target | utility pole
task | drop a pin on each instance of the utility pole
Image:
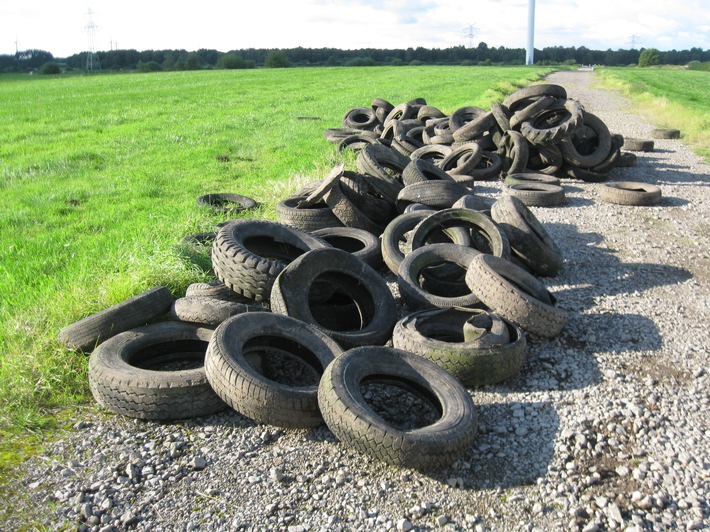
(530, 52)
(470, 31)
(92, 60)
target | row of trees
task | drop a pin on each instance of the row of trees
(253, 57)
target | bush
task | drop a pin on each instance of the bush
(149, 66)
(276, 59)
(233, 61)
(50, 68)
(360, 61)
(649, 57)
(697, 65)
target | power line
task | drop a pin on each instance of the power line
(470, 32)
(92, 60)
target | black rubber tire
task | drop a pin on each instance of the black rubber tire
(436, 334)
(326, 184)
(474, 203)
(531, 177)
(351, 276)
(246, 389)
(537, 194)
(403, 111)
(363, 244)
(475, 128)
(230, 203)
(208, 310)
(435, 194)
(502, 115)
(311, 218)
(355, 143)
(601, 145)
(462, 159)
(514, 153)
(630, 193)
(215, 289)
(356, 424)
(427, 112)
(86, 333)
(363, 118)
(128, 373)
(489, 167)
(634, 144)
(248, 254)
(515, 295)
(421, 170)
(583, 174)
(517, 99)
(529, 240)
(434, 153)
(464, 115)
(385, 165)
(481, 225)
(552, 125)
(358, 190)
(544, 159)
(395, 232)
(665, 133)
(347, 212)
(412, 268)
(530, 111)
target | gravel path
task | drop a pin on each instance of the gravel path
(606, 427)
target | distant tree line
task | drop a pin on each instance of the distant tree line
(149, 60)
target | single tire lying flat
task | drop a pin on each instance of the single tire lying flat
(155, 372)
(665, 133)
(630, 193)
(355, 423)
(138, 310)
(437, 335)
(208, 310)
(247, 390)
(226, 202)
(634, 144)
(536, 194)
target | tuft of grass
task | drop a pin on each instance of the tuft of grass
(668, 98)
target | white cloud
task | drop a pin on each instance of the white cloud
(58, 27)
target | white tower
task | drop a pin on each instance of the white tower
(92, 60)
(529, 59)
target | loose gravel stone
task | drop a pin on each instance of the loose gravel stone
(605, 427)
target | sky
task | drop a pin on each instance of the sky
(60, 27)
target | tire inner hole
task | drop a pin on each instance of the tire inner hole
(340, 303)
(400, 403)
(270, 248)
(283, 361)
(175, 355)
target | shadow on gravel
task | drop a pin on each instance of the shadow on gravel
(514, 447)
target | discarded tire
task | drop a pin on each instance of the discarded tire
(665, 133)
(248, 254)
(282, 393)
(226, 202)
(355, 423)
(634, 144)
(515, 295)
(528, 239)
(362, 244)
(87, 333)
(208, 310)
(437, 335)
(630, 193)
(536, 194)
(349, 283)
(155, 372)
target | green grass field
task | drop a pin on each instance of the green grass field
(99, 176)
(669, 98)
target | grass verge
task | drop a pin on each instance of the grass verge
(668, 98)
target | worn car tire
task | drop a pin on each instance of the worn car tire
(85, 334)
(515, 295)
(248, 254)
(630, 193)
(536, 194)
(247, 390)
(355, 423)
(208, 310)
(436, 334)
(131, 374)
(353, 279)
(226, 202)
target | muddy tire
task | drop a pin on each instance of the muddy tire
(630, 193)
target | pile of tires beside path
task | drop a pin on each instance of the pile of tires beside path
(301, 326)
